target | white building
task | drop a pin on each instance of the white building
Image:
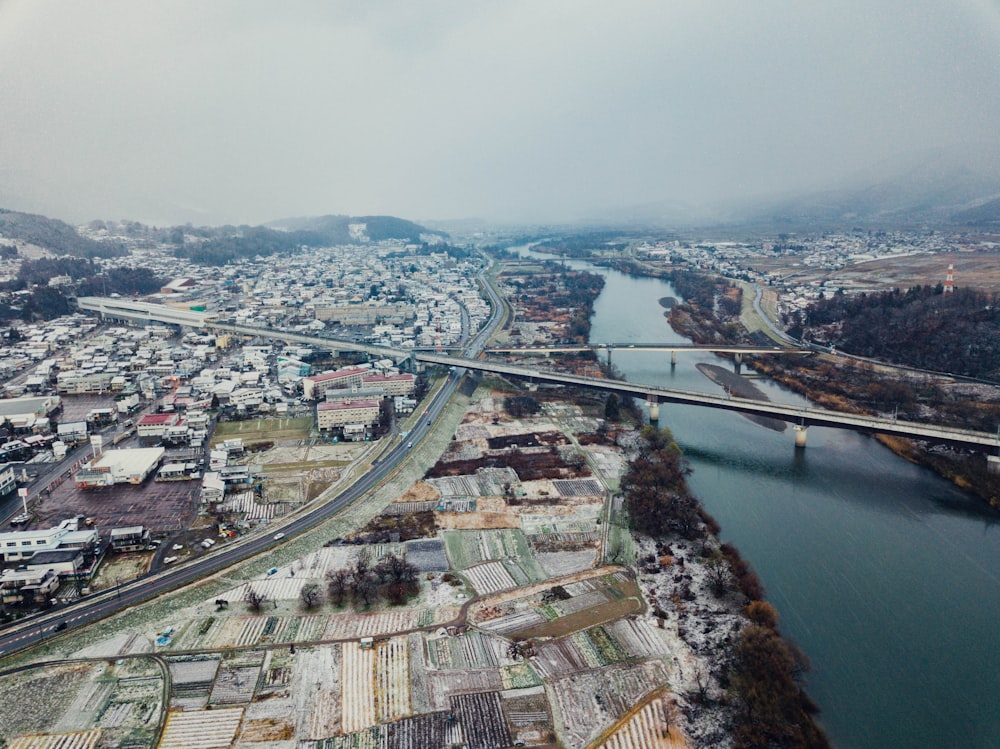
(130, 466)
(18, 545)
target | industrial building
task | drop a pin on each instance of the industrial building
(130, 466)
(19, 545)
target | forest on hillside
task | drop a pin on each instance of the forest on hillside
(921, 327)
(54, 235)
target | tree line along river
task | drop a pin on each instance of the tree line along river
(887, 576)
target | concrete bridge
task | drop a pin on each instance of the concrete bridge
(801, 417)
(737, 351)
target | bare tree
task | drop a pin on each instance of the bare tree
(339, 585)
(254, 599)
(310, 595)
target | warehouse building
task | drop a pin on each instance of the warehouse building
(119, 467)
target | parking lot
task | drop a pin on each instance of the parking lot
(160, 507)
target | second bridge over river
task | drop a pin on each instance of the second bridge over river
(801, 417)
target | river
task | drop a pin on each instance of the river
(887, 576)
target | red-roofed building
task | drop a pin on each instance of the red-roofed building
(315, 387)
(152, 427)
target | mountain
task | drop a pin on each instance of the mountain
(53, 234)
(347, 229)
(932, 187)
(984, 215)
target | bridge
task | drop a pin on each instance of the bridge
(801, 417)
(737, 351)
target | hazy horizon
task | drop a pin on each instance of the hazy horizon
(515, 112)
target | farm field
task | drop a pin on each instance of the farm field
(517, 634)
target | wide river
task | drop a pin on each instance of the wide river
(887, 576)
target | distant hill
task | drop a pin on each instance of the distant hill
(337, 229)
(986, 215)
(919, 195)
(54, 235)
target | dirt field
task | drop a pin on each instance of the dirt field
(978, 270)
(263, 430)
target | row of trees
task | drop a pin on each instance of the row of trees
(655, 487)
(392, 579)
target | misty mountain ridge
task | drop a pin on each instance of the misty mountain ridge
(938, 186)
(935, 186)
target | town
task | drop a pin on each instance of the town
(136, 449)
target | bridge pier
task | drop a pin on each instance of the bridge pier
(737, 362)
(654, 408)
(992, 464)
(673, 358)
(800, 435)
(609, 357)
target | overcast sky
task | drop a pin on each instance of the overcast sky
(513, 110)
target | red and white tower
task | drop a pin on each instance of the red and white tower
(949, 279)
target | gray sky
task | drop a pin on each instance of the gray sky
(513, 110)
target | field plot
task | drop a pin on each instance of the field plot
(250, 507)
(277, 587)
(528, 714)
(519, 676)
(588, 702)
(191, 682)
(490, 577)
(43, 697)
(234, 685)
(639, 639)
(427, 555)
(648, 728)
(344, 626)
(263, 430)
(392, 679)
(326, 559)
(201, 729)
(196, 631)
(578, 487)
(485, 482)
(357, 669)
(443, 685)
(74, 740)
(419, 732)
(482, 720)
(468, 548)
(471, 650)
(316, 691)
(559, 563)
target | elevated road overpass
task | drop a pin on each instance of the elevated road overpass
(801, 417)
